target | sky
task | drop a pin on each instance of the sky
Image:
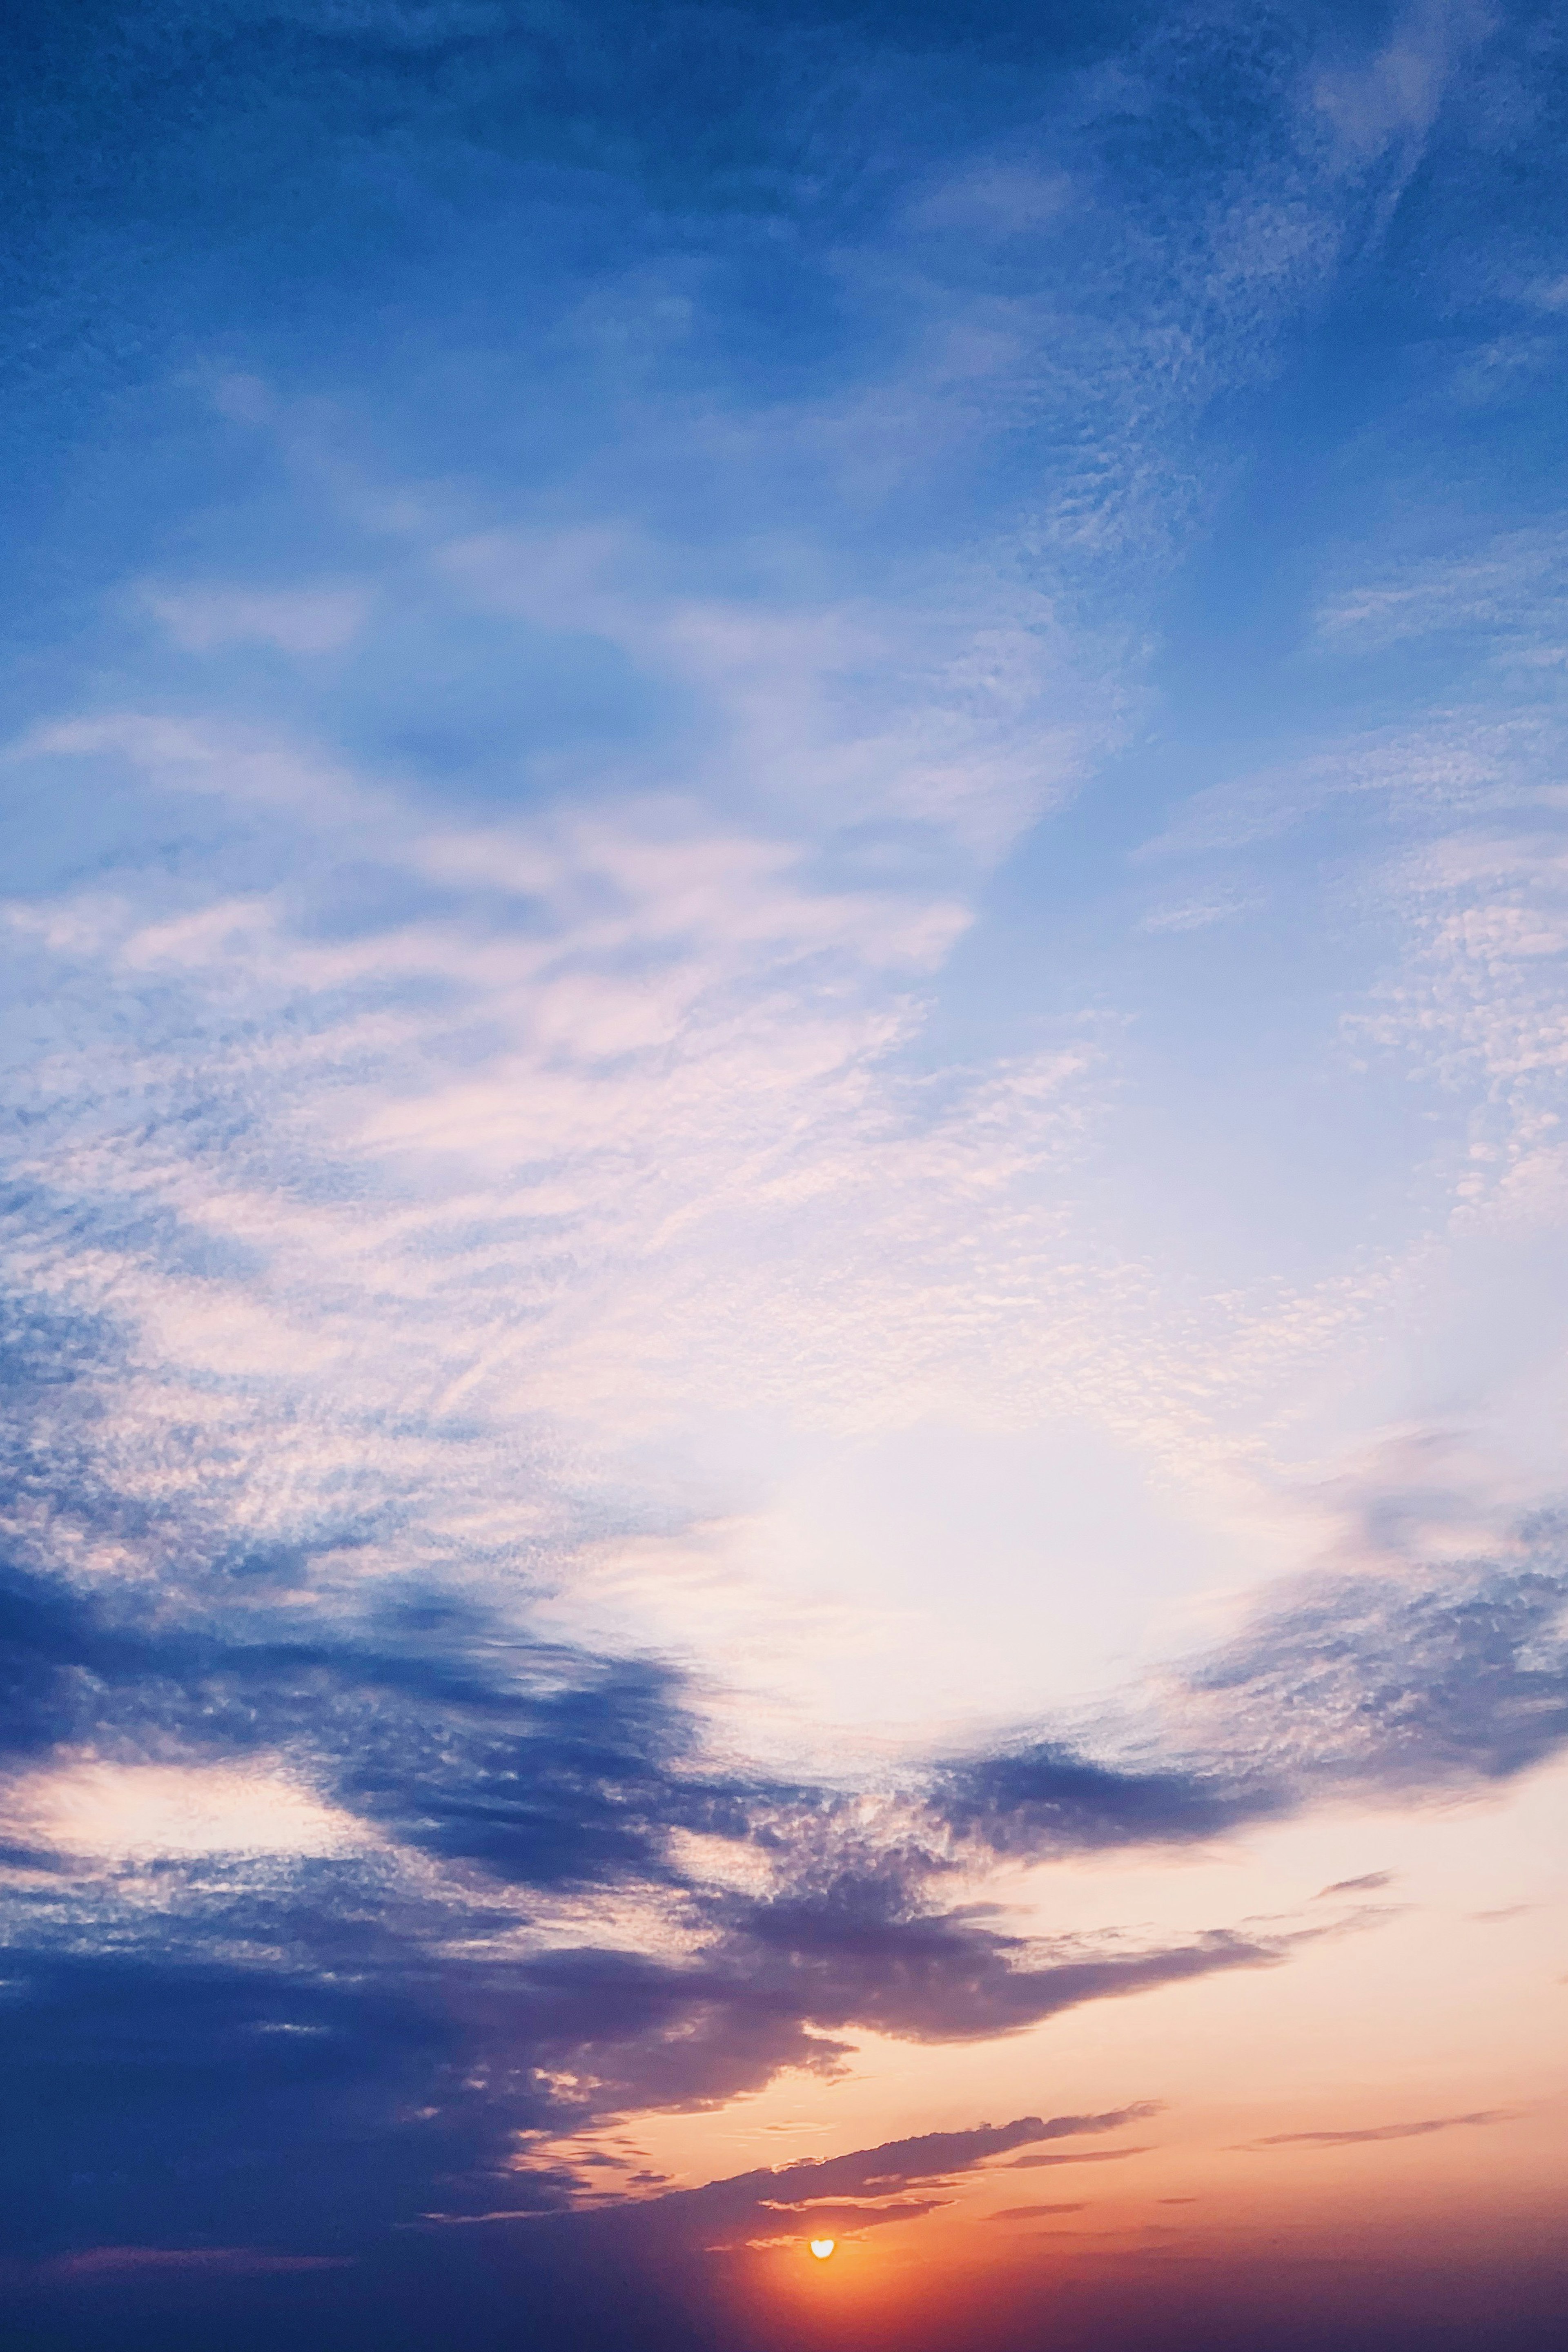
(786, 962)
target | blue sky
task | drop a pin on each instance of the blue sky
(784, 930)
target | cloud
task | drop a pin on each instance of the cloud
(1031, 2212)
(585, 1971)
(994, 199)
(111, 1812)
(1379, 1685)
(840, 2220)
(1391, 99)
(870, 1950)
(295, 620)
(1372, 1882)
(1478, 1007)
(1047, 1798)
(835, 2195)
(1390, 1684)
(392, 1175)
(554, 1774)
(1199, 914)
(472, 1877)
(635, 1046)
(936, 2155)
(233, 2262)
(547, 1766)
(1512, 587)
(1377, 2131)
(1431, 771)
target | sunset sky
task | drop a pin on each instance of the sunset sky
(786, 1250)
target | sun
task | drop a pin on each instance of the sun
(822, 2248)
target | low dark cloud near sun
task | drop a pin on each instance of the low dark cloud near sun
(833, 2196)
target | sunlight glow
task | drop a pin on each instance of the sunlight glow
(822, 2248)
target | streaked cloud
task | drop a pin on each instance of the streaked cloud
(1377, 2132)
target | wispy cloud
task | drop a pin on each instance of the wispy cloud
(841, 2194)
(1377, 2132)
(1372, 1882)
(294, 620)
(1032, 2212)
(1390, 99)
(1508, 595)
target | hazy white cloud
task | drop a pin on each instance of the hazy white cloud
(1480, 1005)
(1515, 586)
(1198, 914)
(295, 620)
(1392, 99)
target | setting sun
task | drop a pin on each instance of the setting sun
(822, 2248)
